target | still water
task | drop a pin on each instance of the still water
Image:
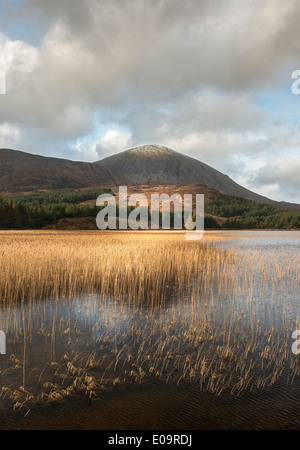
(216, 357)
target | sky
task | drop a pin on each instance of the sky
(212, 79)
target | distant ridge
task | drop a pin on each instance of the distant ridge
(21, 172)
(161, 164)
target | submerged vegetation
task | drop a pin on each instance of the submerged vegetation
(90, 311)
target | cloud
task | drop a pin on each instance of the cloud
(283, 176)
(113, 141)
(168, 45)
(204, 125)
(10, 136)
(185, 74)
(115, 54)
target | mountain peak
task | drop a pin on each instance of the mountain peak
(148, 150)
(157, 163)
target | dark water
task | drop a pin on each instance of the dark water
(262, 300)
(166, 407)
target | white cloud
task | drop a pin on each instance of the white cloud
(280, 177)
(113, 141)
(10, 136)
(204, 125)
(18, 61)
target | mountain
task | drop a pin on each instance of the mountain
(161, 164)
(151, 164)
(23, 172)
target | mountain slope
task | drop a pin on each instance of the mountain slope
(24, 172)
(21, 171)
(158, 163)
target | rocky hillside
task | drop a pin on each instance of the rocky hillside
(23, 172)
(158, 163)
(151, 164)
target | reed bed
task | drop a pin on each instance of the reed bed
(42, 265)
(90, 311)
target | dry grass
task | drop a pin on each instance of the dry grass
(87, 311)
(35, 265)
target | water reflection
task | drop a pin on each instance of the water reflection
(226, 335)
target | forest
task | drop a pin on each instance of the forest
(222, 212)
(244, 214)
(42, 209)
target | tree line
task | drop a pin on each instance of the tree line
(247, 214)
(42, 209)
